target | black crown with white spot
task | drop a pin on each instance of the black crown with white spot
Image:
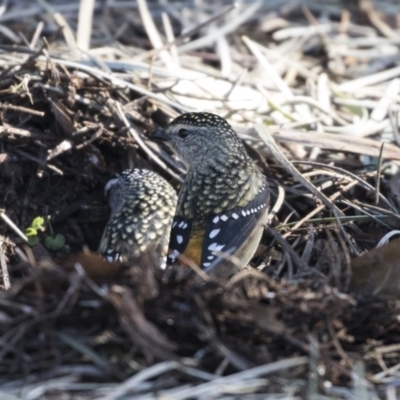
(202, 119)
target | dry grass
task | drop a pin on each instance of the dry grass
(314, 93)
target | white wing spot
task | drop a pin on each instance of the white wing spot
(216, 247)
(181, 224)
(206, 264)
(224, 218)
(215, 220)
(214, 233)
(174, 224)
(173, 255)
(179, 238)
(210, 257)
(244, 213)
(185, 225)
(235, 216)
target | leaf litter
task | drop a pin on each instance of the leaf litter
(313, 91)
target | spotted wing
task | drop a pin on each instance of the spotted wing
(227, 231)
(122, 234)
(180, 235)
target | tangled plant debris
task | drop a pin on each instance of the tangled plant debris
(313, 92)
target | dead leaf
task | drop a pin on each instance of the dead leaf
(95, 266)
(378, 270)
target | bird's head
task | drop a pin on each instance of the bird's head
(200, 137)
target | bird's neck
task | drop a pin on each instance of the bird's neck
(222, 161)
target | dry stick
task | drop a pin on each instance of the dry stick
(319, 208)
(203, 389)
(153, 372)
(380, 111)
(229, 27)
(346, 253)
(347, 237)
(120, 83)
(352, 86)
(339, 142)
(271, 144)
(15, 131)
(85, 20)
(194, 267)
(302, 110)
(378, 175)
(191, 32)
(306, 255)
(314, 103)
(68, 34)
(288, 249)
(304, 71)
(22, 110)
(280, 199)
(250, 273)
(153, 34)
(36, 35)
(357, 207)
(14, 227)
(4, 269)
(366, 185)
(377, 21)
(393, 123)
(118, 109)
(169, 33)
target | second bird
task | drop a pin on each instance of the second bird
(142, 207)
(223, 203)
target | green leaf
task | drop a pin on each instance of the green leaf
(54, 242)
(37, 223)
(30, 232)
(33, 240)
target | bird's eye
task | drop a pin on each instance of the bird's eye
(183, 133)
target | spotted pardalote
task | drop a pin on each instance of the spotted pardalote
(223, 203)
(142, 208)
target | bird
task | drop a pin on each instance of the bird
(142, 209)
(223, 202)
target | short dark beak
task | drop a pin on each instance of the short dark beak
(159, 134)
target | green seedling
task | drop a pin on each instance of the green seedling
(32, 231)
(52, 242)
